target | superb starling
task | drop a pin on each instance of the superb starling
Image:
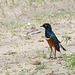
(52, 39)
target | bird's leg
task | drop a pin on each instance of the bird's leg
(55, 55)
(50, 55)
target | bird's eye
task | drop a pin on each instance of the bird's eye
(45, 25)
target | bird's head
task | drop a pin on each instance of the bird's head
(47, 26)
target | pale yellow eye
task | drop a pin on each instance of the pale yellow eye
(45, 25)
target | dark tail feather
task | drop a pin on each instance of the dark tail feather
(62, 47)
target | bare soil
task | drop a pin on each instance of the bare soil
(22, 41)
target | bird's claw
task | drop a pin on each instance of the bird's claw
(49, 57)
(54, 58)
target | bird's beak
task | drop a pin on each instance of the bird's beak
(41, 26)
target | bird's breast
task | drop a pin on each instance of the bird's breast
(50, 42)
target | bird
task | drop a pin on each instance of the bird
(52, 40)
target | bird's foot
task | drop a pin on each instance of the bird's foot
(49, 57)
(54, 57)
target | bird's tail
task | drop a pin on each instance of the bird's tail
(62, 47)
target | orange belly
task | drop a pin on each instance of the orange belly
(50, 43)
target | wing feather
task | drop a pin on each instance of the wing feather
(55, 41)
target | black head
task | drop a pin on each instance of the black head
(47, 26)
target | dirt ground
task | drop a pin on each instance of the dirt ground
(22, 41)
